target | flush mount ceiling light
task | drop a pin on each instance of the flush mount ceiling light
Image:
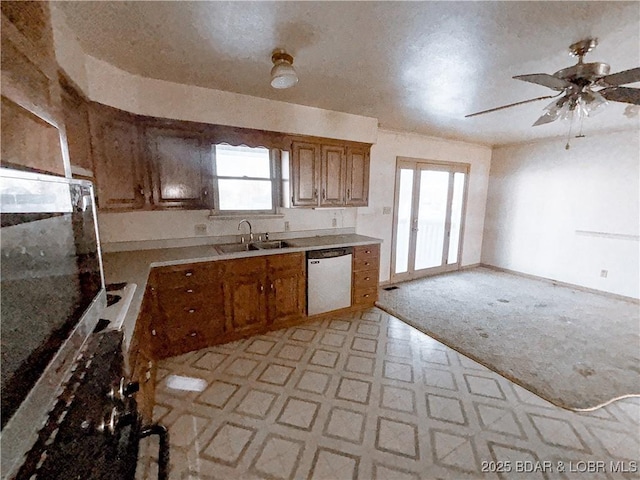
(282, 74)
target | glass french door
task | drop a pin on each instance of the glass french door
(428, 218)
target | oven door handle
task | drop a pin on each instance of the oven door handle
(163, 450)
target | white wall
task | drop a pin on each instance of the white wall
(371, 220)
(117, 228)
(543, 197)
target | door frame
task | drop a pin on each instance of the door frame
(416, 164)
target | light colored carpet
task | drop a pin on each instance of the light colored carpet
(576, 349)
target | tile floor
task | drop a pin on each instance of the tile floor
(368, 397)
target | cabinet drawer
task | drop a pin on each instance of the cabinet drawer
(363, 296)
(365, 278)
(287, 261)
(197, 325)
(360, 264)
(364, 252)
(186, 275)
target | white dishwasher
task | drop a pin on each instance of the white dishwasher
(328, 279)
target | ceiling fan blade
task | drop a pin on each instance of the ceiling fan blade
(621, 94)
(545, 80)
(622, 78)
(510, 105)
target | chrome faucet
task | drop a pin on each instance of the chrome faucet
(244, 220)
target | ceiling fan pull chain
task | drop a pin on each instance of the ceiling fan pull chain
(568, 146)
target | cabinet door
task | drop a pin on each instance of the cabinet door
(357, 194)
(119, 168)
(244, 294)
(31, 115)
(304, 174)
(332, 176)
(179, 171)
(287, 287)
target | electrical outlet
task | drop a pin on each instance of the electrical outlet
(286, 226)
(604, 273)
(386, 210)
(201, 229)
(334, 222)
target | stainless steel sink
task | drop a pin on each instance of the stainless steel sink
(271, 244)
(247, 247)
(235, 247)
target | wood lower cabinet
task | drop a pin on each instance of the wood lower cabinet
(287, 294)
(190, 307)
(203, 304)
(366, 271)
(244, 294)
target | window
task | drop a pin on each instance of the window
(244, 179)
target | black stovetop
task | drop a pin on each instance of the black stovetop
(77, 442)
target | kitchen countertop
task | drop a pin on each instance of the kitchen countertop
(134, 266)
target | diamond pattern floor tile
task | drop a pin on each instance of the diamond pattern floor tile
(365, 396)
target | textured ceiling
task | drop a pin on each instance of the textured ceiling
(416, 66)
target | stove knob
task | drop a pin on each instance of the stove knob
(108, 425)
(123, 390)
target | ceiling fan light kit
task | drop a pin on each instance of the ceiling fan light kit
(283, 75)
(577, 85)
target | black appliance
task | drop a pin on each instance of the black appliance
(93, 430)
(52, 295)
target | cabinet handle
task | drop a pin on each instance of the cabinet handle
(324, 194)
(189, 290)
(366, 295)
(315, 193)
(367, 263)
(193, 334)
(153, 332)
(188, 274)
(348, 194)
(367, 251)
(205, 192)
(192, 310)
(272, 286)
(367, 278)
(262, 288)
(141, 190)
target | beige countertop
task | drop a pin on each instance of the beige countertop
(134, 266)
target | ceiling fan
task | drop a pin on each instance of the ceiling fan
(583, 87)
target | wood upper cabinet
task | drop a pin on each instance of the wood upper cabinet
(181, 169)
(35, 138)
(286, 275)
(76, 118)
(357, 177)
(305, 172)
(244, 294)
(332, 175)
(329, 174)
(119, 166)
